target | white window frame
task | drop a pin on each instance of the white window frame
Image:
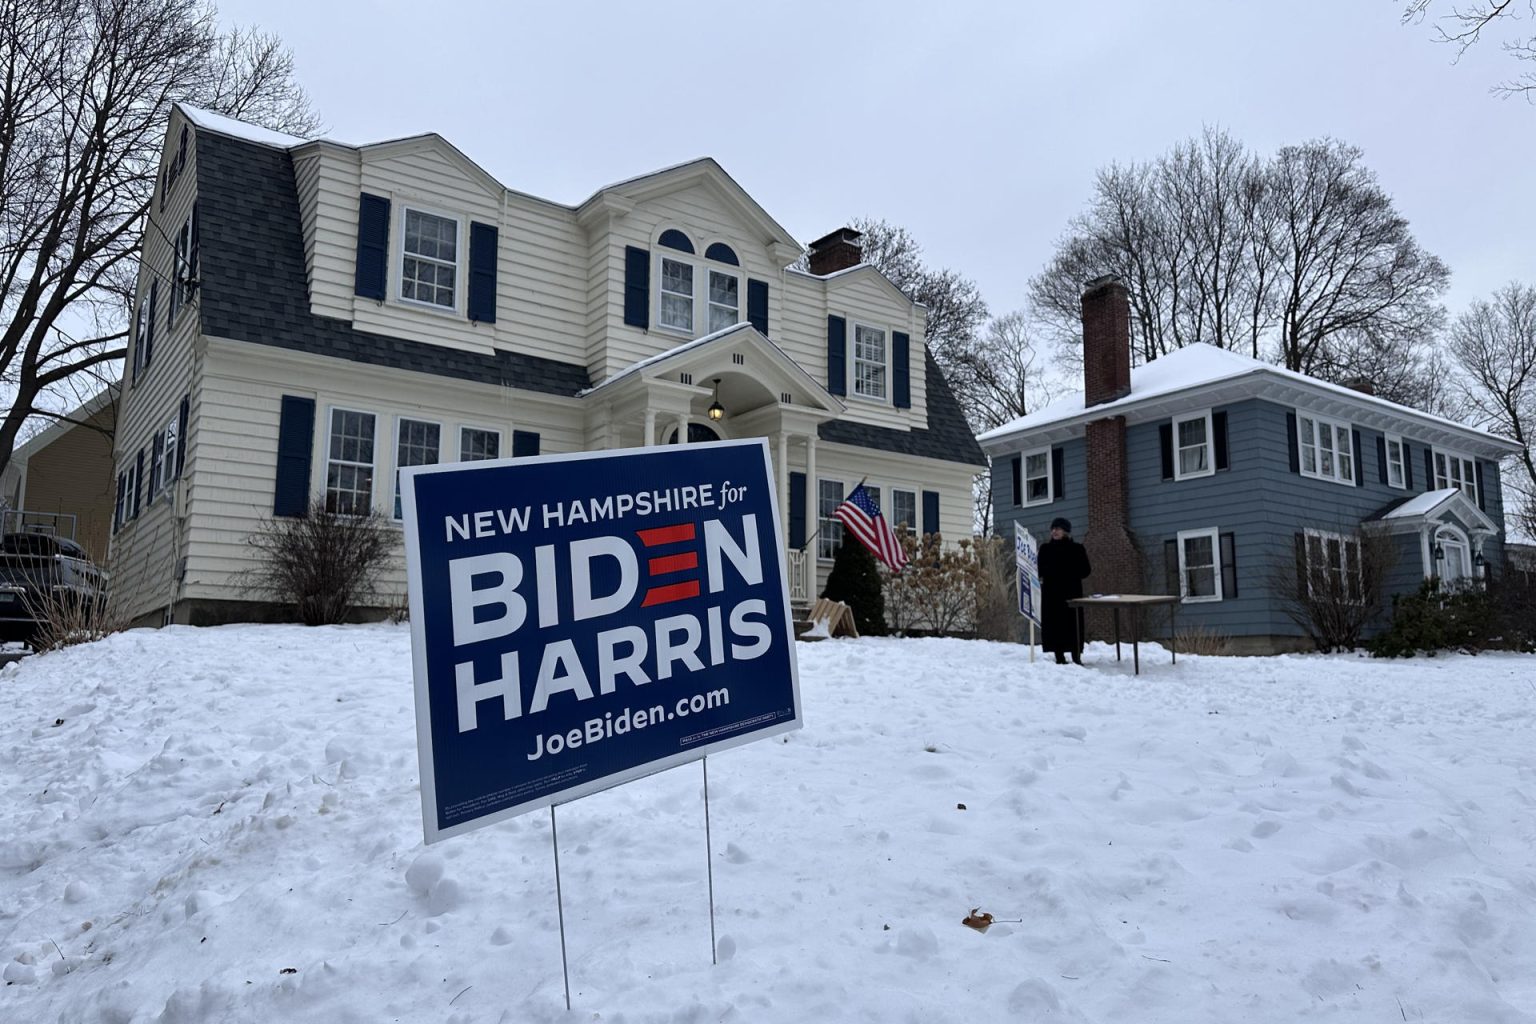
(130, 491)
(1209, 445)
(372, 467)
(1445, 460)
(710, 305)
(1340, 568)
(896, 523)
(1024, 478)
(141, 328)
(663, 257)
(493, 431)
(1214, 533)
(1448, 536)
(1338, 457)
(397, 509)
(460, 252)
(1400, 464)
(181, 269)
(829, 535)
(884, 363)
(156, 466)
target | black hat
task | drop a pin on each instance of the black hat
(1062, 523)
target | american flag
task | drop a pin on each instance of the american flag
(862, 517)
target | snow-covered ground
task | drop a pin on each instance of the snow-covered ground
(223, 825)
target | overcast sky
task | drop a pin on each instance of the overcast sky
(978, 127)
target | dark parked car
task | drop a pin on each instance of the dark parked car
(38, 573)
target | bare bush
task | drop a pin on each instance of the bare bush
(67, 616)
(323, 563)
(1333, 584)
(1203, 640)
(997, 604)
(937, 591)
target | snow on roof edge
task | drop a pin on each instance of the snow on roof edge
(235, 128)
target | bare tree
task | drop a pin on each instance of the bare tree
(1494, 345)
(86, 88)
(1463, 27)
(1301, 258)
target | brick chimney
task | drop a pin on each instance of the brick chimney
(1117, 563)
(1106, 341)
(837, 251)
(1364, 385)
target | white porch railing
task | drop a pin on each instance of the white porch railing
(799, 577)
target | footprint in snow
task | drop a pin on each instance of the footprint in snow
(1265, 829)
(1073, 732)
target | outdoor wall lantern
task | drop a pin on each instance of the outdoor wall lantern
(716, 410)
(1439, 552)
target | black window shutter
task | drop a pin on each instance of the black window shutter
(1407, 466)
(1171, 567)
(797, 510)
(1228, 565)
(1359, 462)
(483, 239)
(117, 505)
(757, 305)
(524, 443)
(637, 287)
(1058, 473)
(1381, 457)
(1301, 565)
(138, 482)
(194, 256)
(1018, 480)
(295, 446)
(372, 246)
(1291, 443)
(148, 340)
(930, 511)
(1482, 501)
(1219, 438)
(182, 416)
(1165, 442)
(901, 372)
(837, 355)
(1429, 468)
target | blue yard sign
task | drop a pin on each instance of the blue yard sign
(578, 621)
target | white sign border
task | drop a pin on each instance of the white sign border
(424, 753)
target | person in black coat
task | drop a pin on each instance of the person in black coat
(1063, 567)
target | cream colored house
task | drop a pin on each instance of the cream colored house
(313, 315)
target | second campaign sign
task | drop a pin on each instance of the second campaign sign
(581, 620)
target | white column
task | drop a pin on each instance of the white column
(682, 428)
(650, 428)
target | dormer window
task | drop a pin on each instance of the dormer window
(684, 281)
(869, 360)
(429, 261)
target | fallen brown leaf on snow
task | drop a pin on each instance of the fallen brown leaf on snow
(975, 919)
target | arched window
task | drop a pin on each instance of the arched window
(722, 253)
(675, 239)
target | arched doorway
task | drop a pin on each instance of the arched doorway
(698, 433)
(1453, 555)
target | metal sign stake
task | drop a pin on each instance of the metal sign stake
(709, 863)
(565, 969)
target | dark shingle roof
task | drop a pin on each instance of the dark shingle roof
(948, 436)
(253, 285)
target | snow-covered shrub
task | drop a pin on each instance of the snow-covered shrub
(323, 563)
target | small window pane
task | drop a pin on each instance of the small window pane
(429, 264)
(904, 509)
(477, 445)
(829, 495)
(676, 295)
